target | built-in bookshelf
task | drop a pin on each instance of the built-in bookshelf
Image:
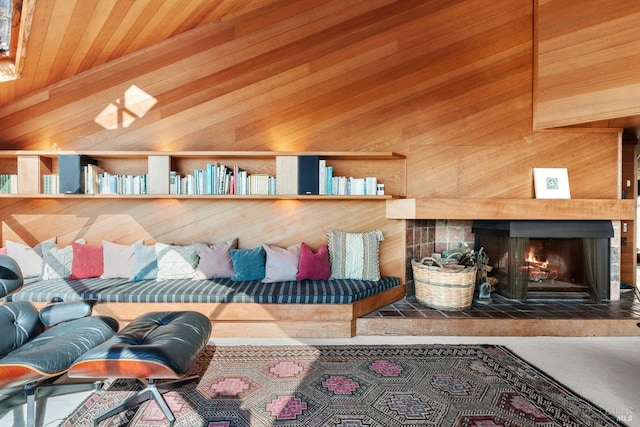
(255, 174)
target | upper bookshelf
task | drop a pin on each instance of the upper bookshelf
(203, 174)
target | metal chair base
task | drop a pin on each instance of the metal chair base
(151, 390)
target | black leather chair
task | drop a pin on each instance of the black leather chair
(38, 347)
(155, 345)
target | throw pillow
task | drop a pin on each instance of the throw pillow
(248, 264)
(145, 263)
(87, 261)
(355, 255)
(215, 260)
(314, 266)
(3, 251)
(117, 260)
(281, 263)
(56, 261)
(176, 262)
(29, 259)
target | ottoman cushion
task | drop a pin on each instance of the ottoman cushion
(154, 345)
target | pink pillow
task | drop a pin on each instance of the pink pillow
(87, 261)
(281, 263)
(3, 251)
(314, 266)
(215, 259)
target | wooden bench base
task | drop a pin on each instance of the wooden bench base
(253, 320)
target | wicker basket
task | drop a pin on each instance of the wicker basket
(441, 287)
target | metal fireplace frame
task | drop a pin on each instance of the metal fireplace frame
(512, 240)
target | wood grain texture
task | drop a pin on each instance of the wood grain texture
(232, 320)
(183, 221)
(495, 208)
(504, 170)
(370, 326)
(449, 84)
(587, 61)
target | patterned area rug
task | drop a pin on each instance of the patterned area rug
(356, 386)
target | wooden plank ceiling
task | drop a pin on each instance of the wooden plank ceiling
(68, 37)
(416, 71)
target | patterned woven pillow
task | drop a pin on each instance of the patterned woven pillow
(355, 255)
(176, 262)
(56, 261)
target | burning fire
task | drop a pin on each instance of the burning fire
(538, 270)
(532, 261)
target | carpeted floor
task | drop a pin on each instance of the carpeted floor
(354, 386)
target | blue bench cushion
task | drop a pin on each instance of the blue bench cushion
(332, 291)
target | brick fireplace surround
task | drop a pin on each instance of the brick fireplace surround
(428, 236)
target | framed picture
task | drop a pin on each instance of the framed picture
(551, 183)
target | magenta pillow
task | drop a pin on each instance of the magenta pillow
(313, 265)
(87, 261)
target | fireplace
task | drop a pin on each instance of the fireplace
(548, 259)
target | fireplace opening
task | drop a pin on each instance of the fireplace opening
(548, 259)
(555, 268)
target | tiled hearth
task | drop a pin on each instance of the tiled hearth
(628, 307)
(503, 317)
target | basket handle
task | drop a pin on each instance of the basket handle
(431, 259)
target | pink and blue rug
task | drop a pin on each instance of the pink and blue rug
(356, 386)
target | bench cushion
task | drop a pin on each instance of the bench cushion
(332, 291)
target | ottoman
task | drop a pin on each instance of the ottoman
(155, 345)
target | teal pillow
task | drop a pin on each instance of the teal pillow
(248, 264)
(145, 263)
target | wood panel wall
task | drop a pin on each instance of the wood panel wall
(588, 61)
(181, 222)
(448, 83)
(487, 169)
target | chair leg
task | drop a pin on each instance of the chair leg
(31, 406)
(152, 390)
(32, 392)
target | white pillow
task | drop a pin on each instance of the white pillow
(176, 262)
(117, 260)
(29, 259)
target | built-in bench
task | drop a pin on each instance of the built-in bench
(306, 308)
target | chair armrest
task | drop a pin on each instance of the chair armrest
(59, 312)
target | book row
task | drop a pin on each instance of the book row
(218, 179)
(312, 175)
(8, 183)
(297, 174)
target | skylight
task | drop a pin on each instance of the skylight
(6, 8)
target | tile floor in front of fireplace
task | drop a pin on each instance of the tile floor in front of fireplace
(628, 307)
